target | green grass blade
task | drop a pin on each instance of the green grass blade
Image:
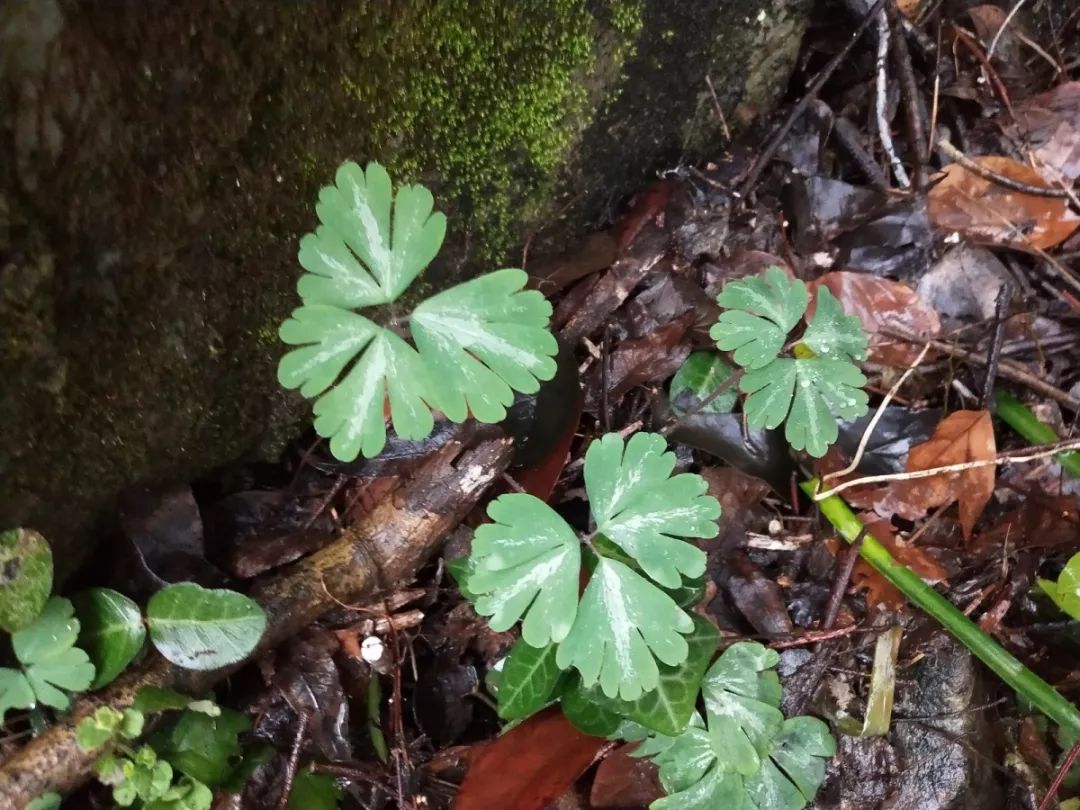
(1003, 663)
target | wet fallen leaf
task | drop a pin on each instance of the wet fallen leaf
(993, 24)
(965, 202)
(1050, 123)
(964, 283)
(961, 437)
(656, 356)
(1040, 521)
(647, 207)
(596, 252)
(529, 766)
(625, 781)
(882, 305)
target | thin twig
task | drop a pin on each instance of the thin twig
(1059, 777)
(1004, 24)
(913, 102)
(294, 758)
(1013, 457)
(703, 404)
(766, 155)
(995, 177)
(719, 109)
(877, 418)
(993, 356)
(849, 137)
(840, 582)
(881, 101)
(969, 42)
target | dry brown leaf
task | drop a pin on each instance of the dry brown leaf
(883, 305)
(961, 437)
(529, 766)
(965, 202)
(625, 781)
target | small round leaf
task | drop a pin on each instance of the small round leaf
(26, 576)
(202, 629)
(112, 631)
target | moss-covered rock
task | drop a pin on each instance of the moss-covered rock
(159, 164)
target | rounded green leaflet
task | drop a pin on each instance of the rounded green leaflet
(112, 631)
(52, 665)
(203, 629)
(699, 375)
(760, 311)
(15, 691)
(644, 510)
(26, 577)
(526, 564)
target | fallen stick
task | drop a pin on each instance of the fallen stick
(384, 549)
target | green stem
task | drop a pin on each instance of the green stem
(1003, 663)
(1022, 419)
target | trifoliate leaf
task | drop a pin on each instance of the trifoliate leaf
(759, 314)
(351, 414)
(624, 625)
(642, 508)
(693, 774)
(26, 576)
(483, 340)
(795, 769)
(314, 791)
(198, 628)
(526, 563)
(52, 665)
(531, 676)
(388, 249)
(111, 632)
(699, 375)
(832, 333)
(15, 691)
(478, 342)
(742, 693)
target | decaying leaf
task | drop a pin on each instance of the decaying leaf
(1050, 123)
(882, 305)
(965, 202)
(879, 592)
(529, 766)
(962, 436)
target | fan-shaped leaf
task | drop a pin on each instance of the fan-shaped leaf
(759, 314)
(26, 576)
(624, 624)
(483, 340)
(202, 629)
(526, 564)
(15, 691)
(643, 510)
(51, 664)
(358, 239)
(112, 631)
(832, 333)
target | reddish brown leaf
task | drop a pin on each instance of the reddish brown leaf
(965, 202)
(649, 206)
(882, 306)
(878, 589)
(656, 356)
(961, 437)
(549, 275)
(529, 766)
(625, 781)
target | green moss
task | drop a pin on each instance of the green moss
(490, 99)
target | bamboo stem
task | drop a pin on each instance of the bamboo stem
(1022, 419)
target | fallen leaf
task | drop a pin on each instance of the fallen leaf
(656, 356)
(882, 305)
(529, 766)
(965, 202)
(648, 207)
(625, 781)
(596, 252)
(993, 24)
(961, 437)
(1050, 123)
(964, 283)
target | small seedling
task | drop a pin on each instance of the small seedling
(473, 344)
(805, 383)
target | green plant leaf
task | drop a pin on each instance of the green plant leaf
(759, 313)
(699, 375)
(795, 769)
(693, 774)
(314, 791)
(667, 709)
(111, 632)
(526, 564)
(483, 340)
(361, 256)
(624, 625)
(95, 730)
(203, 747)
(26, 577)
(52, 665)
(742, 695)
(198, 628)
(832, 333)
(1066, 591)
(186, 794)
(46, 801)
(15, 691)
(531, 677)
(642, 508)
(589, 709)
